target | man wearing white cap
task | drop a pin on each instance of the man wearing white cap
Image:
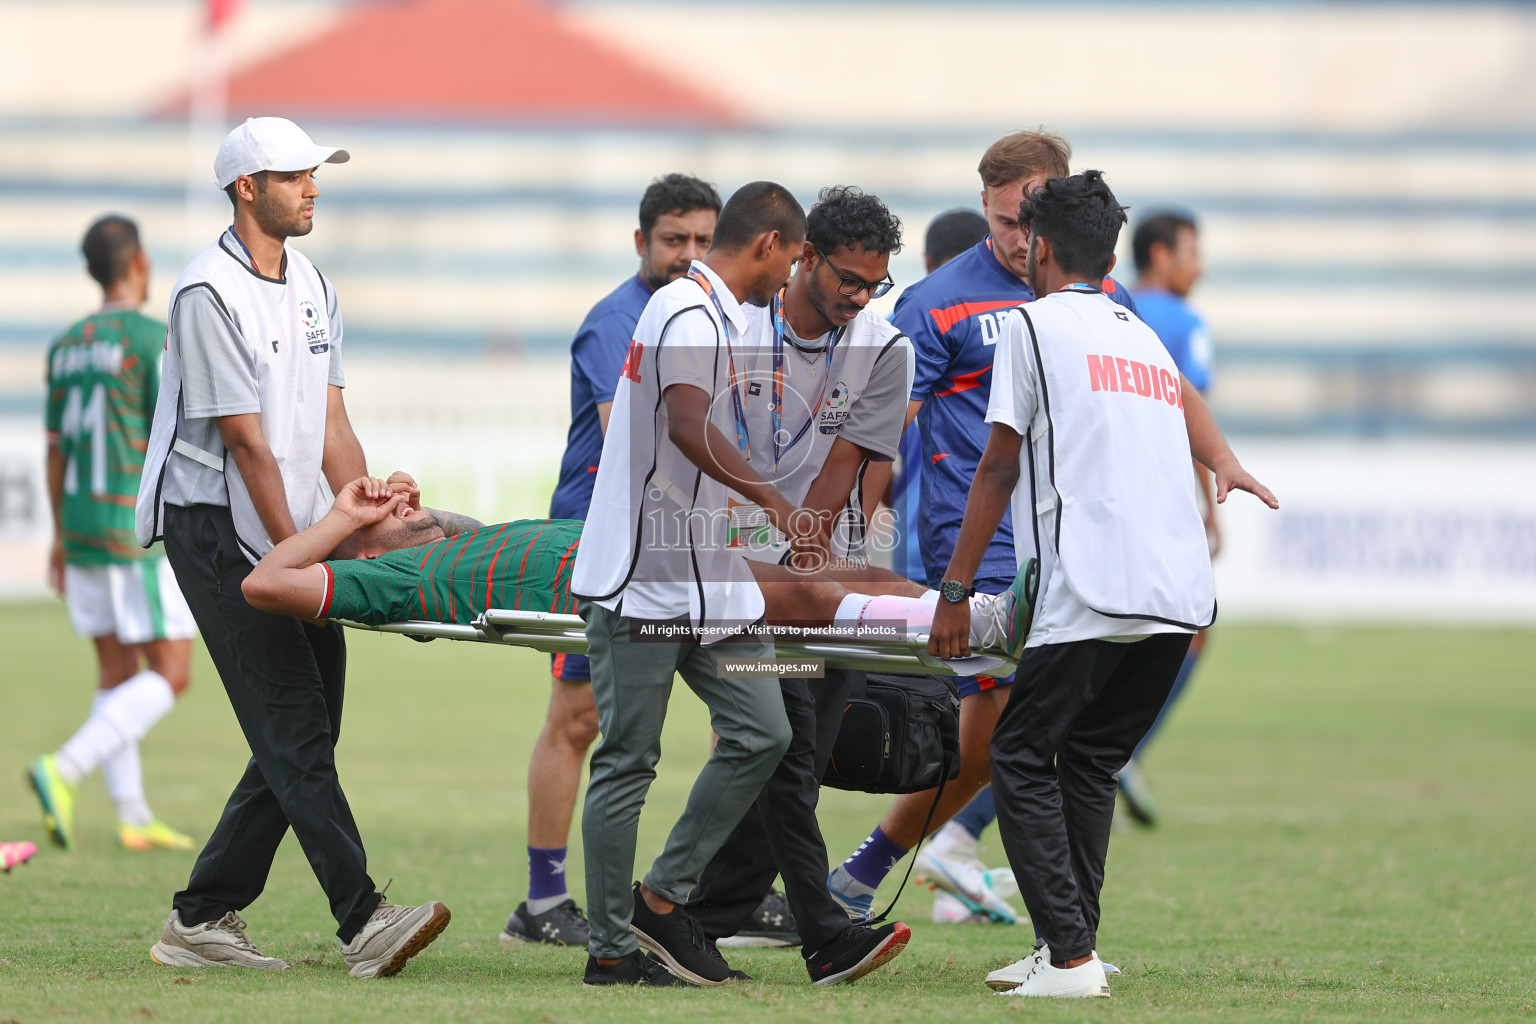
(249, 427)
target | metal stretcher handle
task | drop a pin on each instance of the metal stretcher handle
(552, 633)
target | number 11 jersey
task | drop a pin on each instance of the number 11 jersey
(103, 378)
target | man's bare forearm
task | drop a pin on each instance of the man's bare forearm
(829, 492)
(343, 460)
(1206, 442)
(264, 481)
(312, 545)
(700, 441)
(56, 487)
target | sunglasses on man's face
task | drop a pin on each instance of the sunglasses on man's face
(850, 286)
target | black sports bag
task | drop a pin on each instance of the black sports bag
(900, 735)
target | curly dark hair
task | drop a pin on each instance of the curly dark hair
(844, 215)
(675, 193)
(1080, 217)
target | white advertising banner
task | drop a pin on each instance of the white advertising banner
(1392, 531)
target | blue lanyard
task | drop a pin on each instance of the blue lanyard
(738, 407)
(1080, 286)
(241, 243)
(776, 405)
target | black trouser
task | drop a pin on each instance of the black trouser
(284, 679)
(1076, 713)
(780, 834)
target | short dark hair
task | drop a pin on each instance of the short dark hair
(1159, 227)
(755, 209)
(847, 215)
(675, 193)
(1024, 154)
(1081, 219)
(109, 246)
(261, 187)
(953, 232)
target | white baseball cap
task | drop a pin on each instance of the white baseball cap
(270, 144)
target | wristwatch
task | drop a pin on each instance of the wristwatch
(954, 591)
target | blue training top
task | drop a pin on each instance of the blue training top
(953, 317)
(597, 356)
(1182, 332)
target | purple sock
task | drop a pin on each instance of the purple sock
(546, 873)
(872, 861)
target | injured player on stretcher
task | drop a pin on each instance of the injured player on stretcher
(379, 556)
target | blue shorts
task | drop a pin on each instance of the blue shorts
(573, 668)
(970, 685)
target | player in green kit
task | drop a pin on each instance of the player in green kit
(103, 377)
(380, 556)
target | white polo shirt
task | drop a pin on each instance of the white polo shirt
(656, 540)
(1104, 472)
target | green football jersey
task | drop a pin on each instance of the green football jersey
(524, 565)
(103, 378)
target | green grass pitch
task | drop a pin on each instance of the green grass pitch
(1348, 835)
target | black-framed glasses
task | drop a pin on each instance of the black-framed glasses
(850, 286)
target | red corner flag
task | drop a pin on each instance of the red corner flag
(220, 11)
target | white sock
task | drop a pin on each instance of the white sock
(916, 612)
(953, 839)
(845, 883)
(125, 780)
(121, 717)
(547, 903)
(862, 610)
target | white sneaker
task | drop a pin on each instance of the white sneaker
(955, 869)
(220, 943)
(1085, 981)
(391, 937)
(1006, 979)
(989, 622)
(948, 909)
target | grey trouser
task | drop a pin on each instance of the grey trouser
(631, 683)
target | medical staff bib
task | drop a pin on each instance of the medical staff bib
(1112, 462)
(285, 327)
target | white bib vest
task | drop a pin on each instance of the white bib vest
(287, 330)
(1112, 461)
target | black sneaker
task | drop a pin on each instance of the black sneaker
(561, 925)
(772, 925)
(634, 969)
(736, 975)
(855, 952)
(678, 941)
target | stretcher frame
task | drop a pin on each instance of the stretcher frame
(553, 633)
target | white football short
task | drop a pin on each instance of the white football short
(138, 601)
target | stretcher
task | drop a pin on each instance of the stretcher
(566, 634)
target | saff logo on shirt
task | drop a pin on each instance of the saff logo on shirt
(835, 410)
(313, 332)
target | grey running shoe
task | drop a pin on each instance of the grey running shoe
(220, 943)
(561, 925)
(391, 937)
